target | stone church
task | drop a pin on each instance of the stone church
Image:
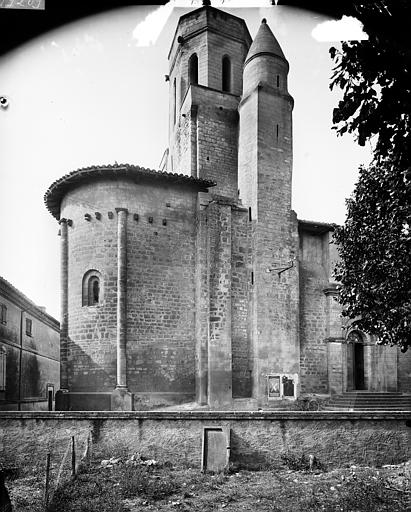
(197, 283)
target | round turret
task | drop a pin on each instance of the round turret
(265, 62)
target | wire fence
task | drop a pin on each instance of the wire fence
(60, 469)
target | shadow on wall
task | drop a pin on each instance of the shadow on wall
(244, 454)
(31, 378)
(87, 374)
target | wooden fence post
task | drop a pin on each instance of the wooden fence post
(47, 483)
(73, 457)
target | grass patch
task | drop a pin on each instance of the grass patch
(130, 485)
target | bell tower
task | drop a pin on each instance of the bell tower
(206, 74)
(264, 182)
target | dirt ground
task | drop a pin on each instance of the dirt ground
(124, 485)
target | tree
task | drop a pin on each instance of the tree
(375, 77)
(375, 250)
(375, 242)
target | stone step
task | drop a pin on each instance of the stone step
(371, 404)
(374, 409)
(367, 400)
(370, 401)
(372, 395)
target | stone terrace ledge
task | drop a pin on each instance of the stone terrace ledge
(206, 415)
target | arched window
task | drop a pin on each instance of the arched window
(92, 288)
(226, 74)
(193, 69)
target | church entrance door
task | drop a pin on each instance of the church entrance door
(356, 380)
(359, 381)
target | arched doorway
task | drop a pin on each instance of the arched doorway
(355, 362)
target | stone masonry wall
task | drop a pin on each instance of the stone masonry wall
(160, 286)
(404, 371)
(240, 289)
(336, 439)
(313, 314)
(220, 319)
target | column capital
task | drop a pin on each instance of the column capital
(118, 210)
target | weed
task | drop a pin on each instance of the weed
(140, 481)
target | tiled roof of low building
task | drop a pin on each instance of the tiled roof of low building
(60, 187)
(318, 227)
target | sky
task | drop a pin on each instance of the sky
(93, 92)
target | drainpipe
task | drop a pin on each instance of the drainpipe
(21, 360)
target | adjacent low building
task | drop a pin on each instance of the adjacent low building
(29, 352)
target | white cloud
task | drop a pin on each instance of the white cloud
(345, 29)
(147, 32)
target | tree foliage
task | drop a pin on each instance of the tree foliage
(375, 77)
(375, 250)
(374, 244)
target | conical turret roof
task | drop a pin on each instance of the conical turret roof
(264, 43)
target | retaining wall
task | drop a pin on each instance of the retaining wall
(335, 438)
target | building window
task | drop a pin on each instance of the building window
(278, 80)
(193, 69)
(3, 314)
(93, 291)
(226, 75)
(2, 369)
(92, 288)
(174, 101)
(29, 327)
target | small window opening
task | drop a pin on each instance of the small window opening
(92, 292)
(226, 75)
(252, 277)
(2, 369)
(193, 69)
(249, 214)
(3, 313)
(29, 327)
(276, 129)
(278, 80)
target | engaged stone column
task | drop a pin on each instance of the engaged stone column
(121, 399)
(64, 304)
(121, 297)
